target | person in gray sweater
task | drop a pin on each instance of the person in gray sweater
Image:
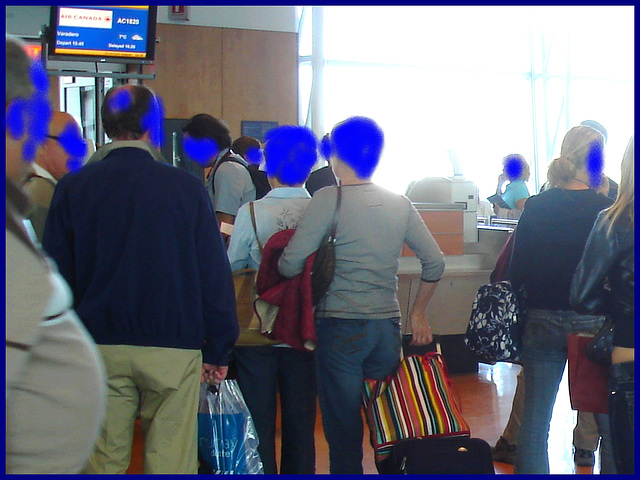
(358, 320)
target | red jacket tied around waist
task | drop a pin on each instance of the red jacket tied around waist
(294, 324)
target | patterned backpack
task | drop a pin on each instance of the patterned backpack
(496, 325)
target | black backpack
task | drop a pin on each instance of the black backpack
(258, 177)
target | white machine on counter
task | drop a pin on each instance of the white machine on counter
(450, 190)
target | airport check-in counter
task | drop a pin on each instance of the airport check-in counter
(468, 265)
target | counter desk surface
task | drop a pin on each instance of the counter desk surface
(449, 310)
(453, 264)
(450, 307)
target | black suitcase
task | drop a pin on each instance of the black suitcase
(439, 455)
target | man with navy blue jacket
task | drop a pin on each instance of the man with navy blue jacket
(137, 241)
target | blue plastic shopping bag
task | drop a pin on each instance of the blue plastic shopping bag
(227, 439)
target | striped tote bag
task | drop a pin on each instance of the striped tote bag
(417, 401)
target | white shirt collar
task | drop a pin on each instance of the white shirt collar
(109, 147)
(43, 173)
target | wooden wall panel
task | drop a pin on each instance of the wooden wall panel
(188, 70)
(259, 77)
(229, 73)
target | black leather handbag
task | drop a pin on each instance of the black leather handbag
(600, 348)
(324, 265)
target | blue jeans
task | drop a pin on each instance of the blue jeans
(544, 359)
(263, 373)
(348, 352)
(621, 404)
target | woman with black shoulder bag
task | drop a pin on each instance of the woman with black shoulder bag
(357, 320)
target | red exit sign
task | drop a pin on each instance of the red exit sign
(178, 12)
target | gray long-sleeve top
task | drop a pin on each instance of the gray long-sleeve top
(373, 225)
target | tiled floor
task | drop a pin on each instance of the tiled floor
(486, 403)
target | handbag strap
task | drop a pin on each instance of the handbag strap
(334, 224)
(253, 222)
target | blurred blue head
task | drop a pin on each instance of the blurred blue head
(131, 111)
(31, 116)
(254, 155)
(290, 153)
(325, 148)
(201, 150)
(594, 163)
(152, 121)
(74, 145)
(121, 101)
(513, 167)
(358, 142)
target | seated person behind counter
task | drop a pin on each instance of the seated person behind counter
(515, 170)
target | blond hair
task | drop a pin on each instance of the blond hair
(576, 145)
(623, 206)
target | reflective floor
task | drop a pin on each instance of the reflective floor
(486, 403)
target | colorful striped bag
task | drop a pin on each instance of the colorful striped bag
(417, 401)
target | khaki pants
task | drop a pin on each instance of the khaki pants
(161, 385)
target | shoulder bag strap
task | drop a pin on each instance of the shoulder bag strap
(334, 225)
(226, 158)
(253, 222)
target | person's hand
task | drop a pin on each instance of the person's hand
(213, 374)
(420, 329)
(502, 178)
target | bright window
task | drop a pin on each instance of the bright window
(482, 82)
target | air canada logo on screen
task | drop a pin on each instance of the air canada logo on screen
(85, 17)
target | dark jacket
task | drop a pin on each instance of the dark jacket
(137, 241)
(549, 241)
(608, 259)
(323, 177)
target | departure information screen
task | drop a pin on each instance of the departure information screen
(105, 31)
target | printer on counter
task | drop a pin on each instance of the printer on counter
(451, 190)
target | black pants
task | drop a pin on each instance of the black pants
(265, 372)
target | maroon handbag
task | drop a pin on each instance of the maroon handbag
(588, 381)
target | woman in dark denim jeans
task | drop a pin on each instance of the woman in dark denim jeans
(608, 260)
(549, 241)
(272, 374)
(358, 320)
